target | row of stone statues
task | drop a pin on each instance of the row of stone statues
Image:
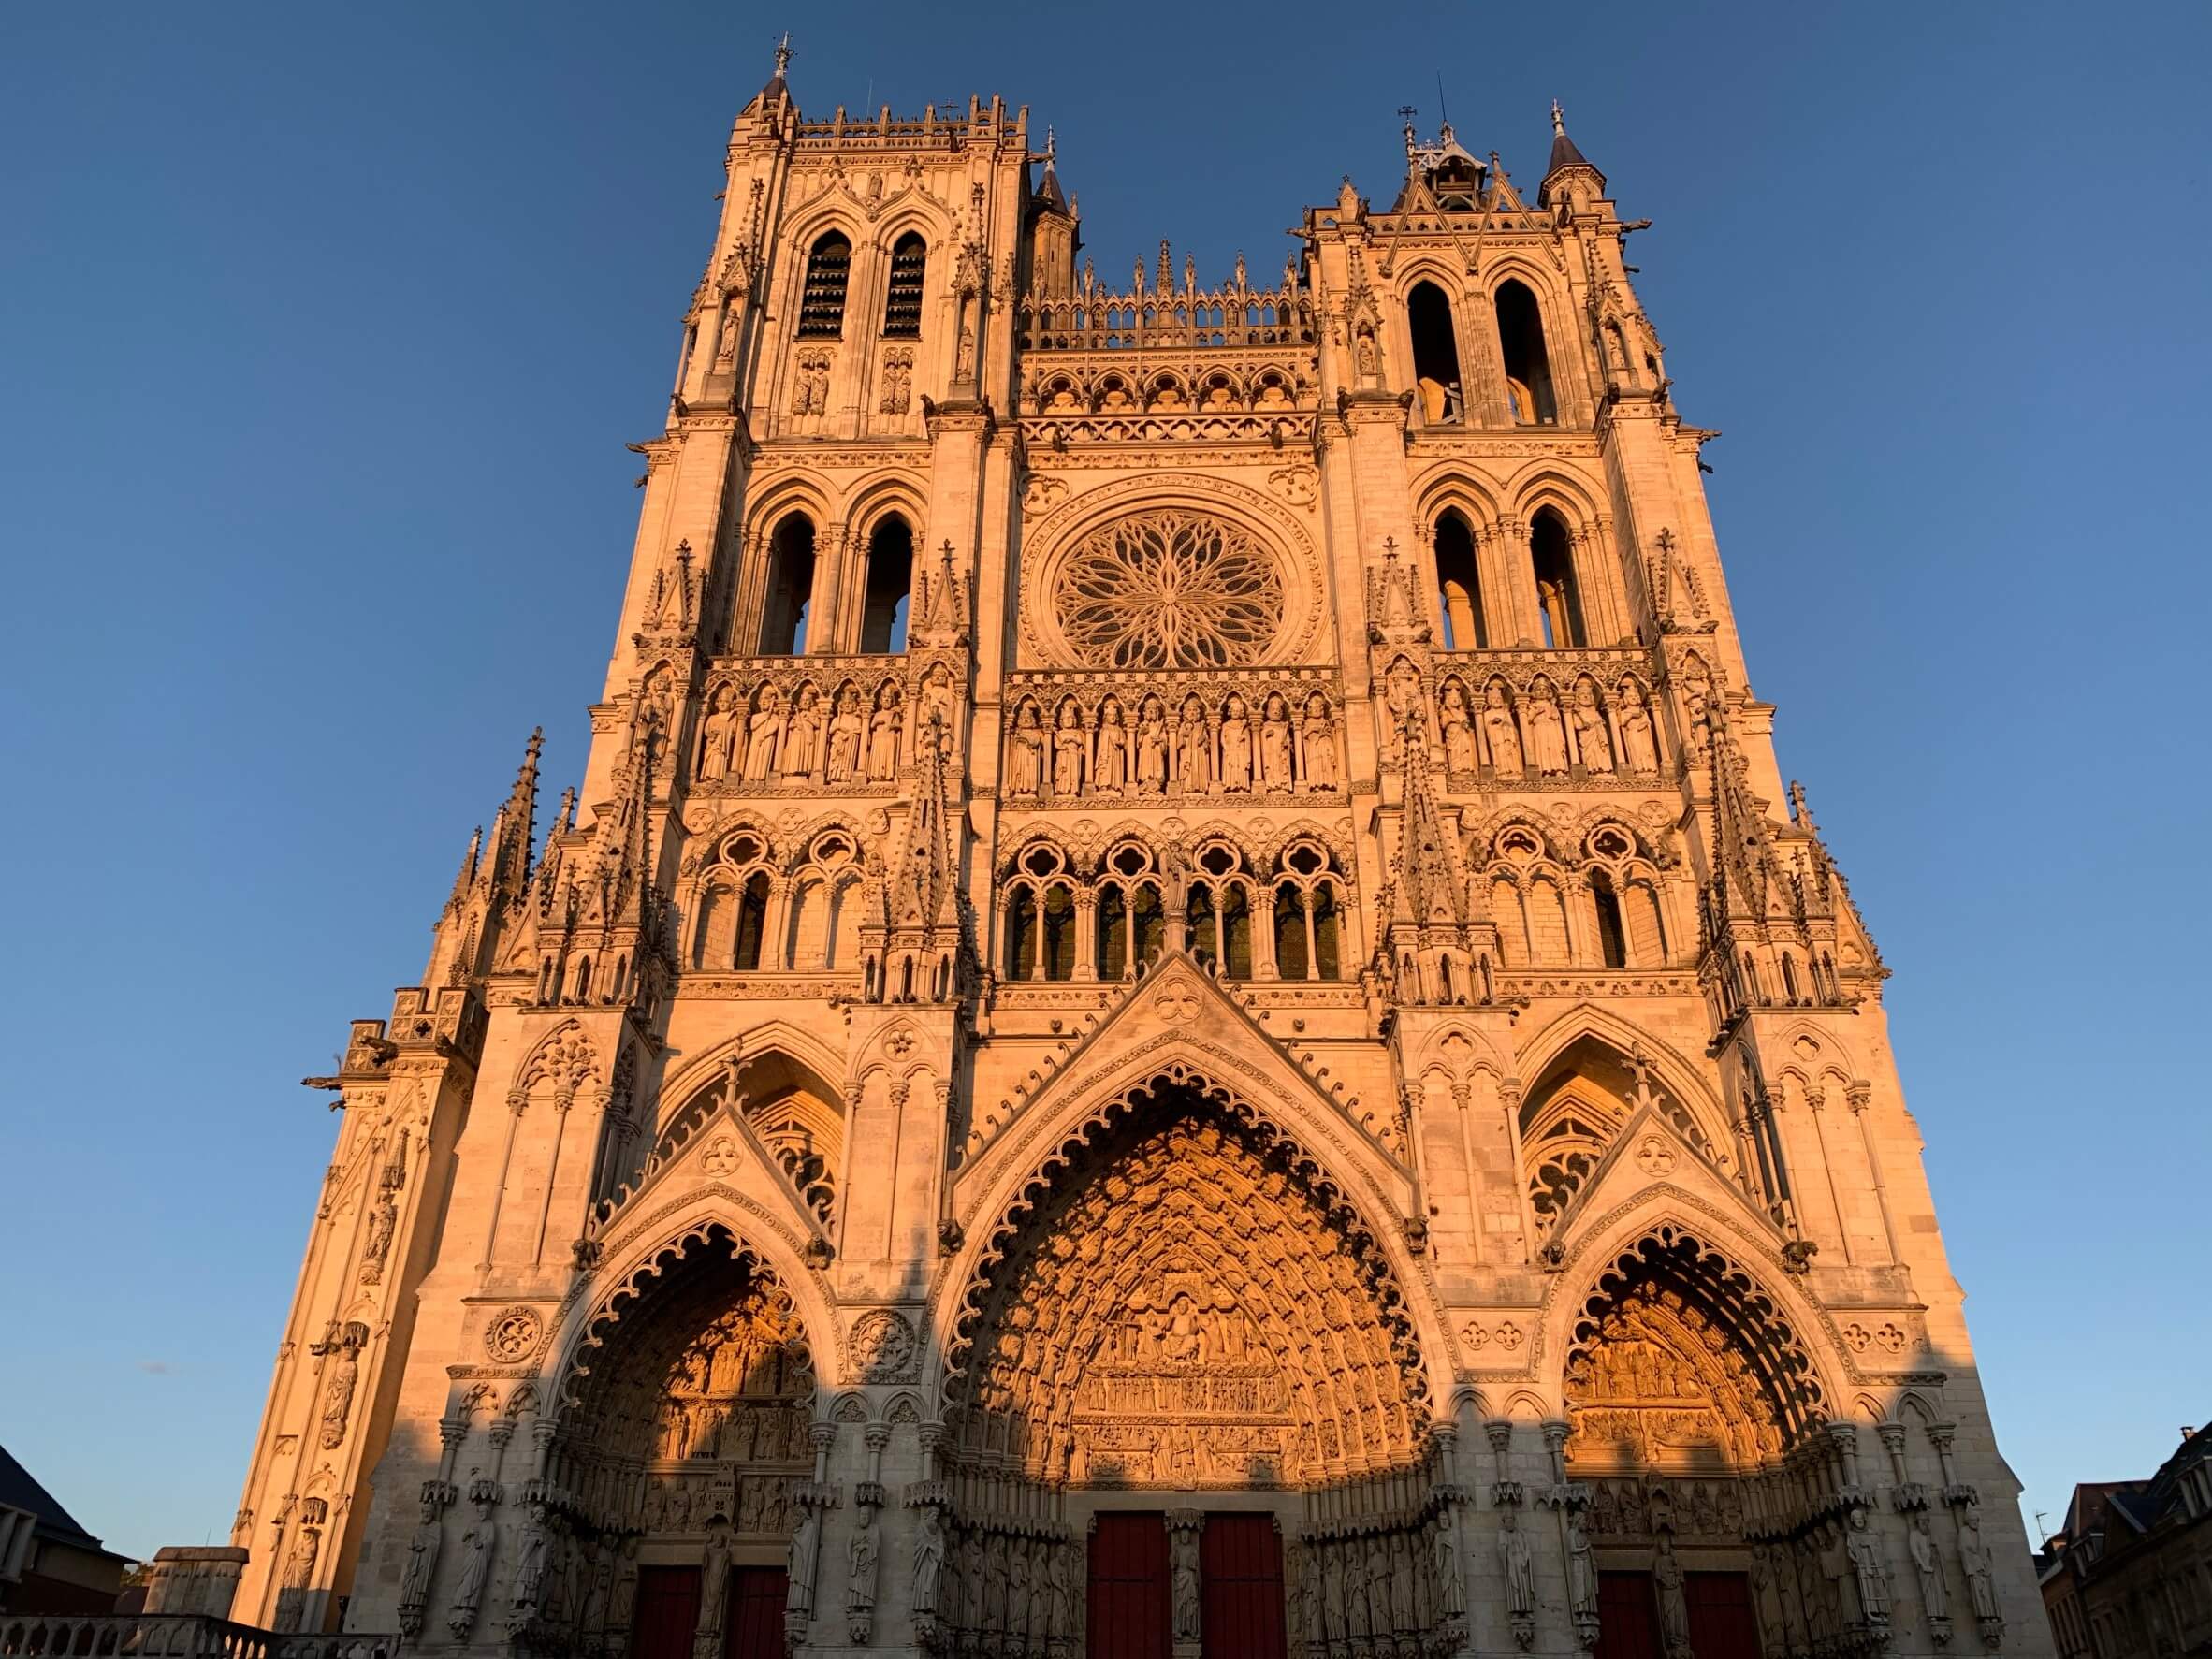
(1535, 736)
(1192, 748)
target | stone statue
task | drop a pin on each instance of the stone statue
(338, 1393)
(929, 1558)
(862, 1552)
(1639, 747)
(1152, 748)
(1674, 1608)
(1057, 1595)
(898, 370)
(1935, 1594)
(1546, 739)
(937, 698)
(1318, 760)
(1276, 740)
(1403, 1615)
(1236, 748)
(297, 1576)
(715, 737)
(762, 732)
(1184, 1583)
(1110, 771)
(378, 1244)
(1518, 1563)
(529, 1572)
(1973, 1556)
(802, 735)
(883, 732)
(714, 1580)
(1865, 1551)
(1026, 763)
(1499, 732)
(1194, 750)
(1591, 736)
(422, 1561)
(806, 1542)
(1581, 1573)
(1069, 747)
(476, 1545)
(847, 730)
(1459, 731)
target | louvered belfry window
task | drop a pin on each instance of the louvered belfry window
(822, 308)
(902, 306)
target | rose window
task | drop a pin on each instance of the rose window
(1170, 589)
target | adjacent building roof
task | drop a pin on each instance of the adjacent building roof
(20, 1490)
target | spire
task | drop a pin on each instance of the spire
(777, 89)
(1426, 890)
(1565, 156)
(466, 879)
(1049, 193)
(514, 829)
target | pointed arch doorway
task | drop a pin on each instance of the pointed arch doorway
(1184, 1398)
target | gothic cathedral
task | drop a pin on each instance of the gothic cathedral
(1182, 1014)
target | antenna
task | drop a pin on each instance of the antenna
(1444, 113)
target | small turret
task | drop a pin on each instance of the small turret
(1569, 177)
(1053, 234)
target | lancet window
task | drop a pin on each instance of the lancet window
(829, 269)
(1459, 586)
(789, 595)
(1559, 597)
(752, 916)
(889, 586)
(1435, 355)
(1528, 367)
(902, 299)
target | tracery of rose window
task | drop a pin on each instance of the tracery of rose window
(1169, 590)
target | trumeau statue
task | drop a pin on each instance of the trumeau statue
(1428, 1035)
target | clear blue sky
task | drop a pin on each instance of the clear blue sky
(322, 330)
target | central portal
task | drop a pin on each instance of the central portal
(1185, 1388)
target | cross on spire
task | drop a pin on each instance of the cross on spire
(783, 52)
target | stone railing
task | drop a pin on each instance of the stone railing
(173, 1636)
(1160, 314)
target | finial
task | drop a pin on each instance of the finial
(1558, 121)
(1051, 147)
(783, 52)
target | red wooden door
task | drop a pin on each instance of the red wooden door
(754, 1627)
(1722, 1622)
(667, 1612)
(1627, 1618)
(1128, 1601)
(1241, 1588)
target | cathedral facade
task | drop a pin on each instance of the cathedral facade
(1181, 1013)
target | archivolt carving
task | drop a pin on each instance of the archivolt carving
(1680, 1362)
(1130, 1339)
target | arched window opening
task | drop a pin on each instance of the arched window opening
(1789, 979)
(1199, 913)
(1059, 933)
(1528, 369)
(1612, 937)
(829, 268)
(902, 302)
(1436, 353)
(752, 921)
(790, 587)
(1326, 924)
(1235, 921)
(1114, 931)
(891, 577)
(1148, 926)
(1459, 586)
(1558, 599)
(1021, 934)
(583, 990)
(1292, 960)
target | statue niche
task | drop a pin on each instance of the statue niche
(1133, 1341)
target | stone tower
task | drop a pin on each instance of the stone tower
(1182, 1011)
